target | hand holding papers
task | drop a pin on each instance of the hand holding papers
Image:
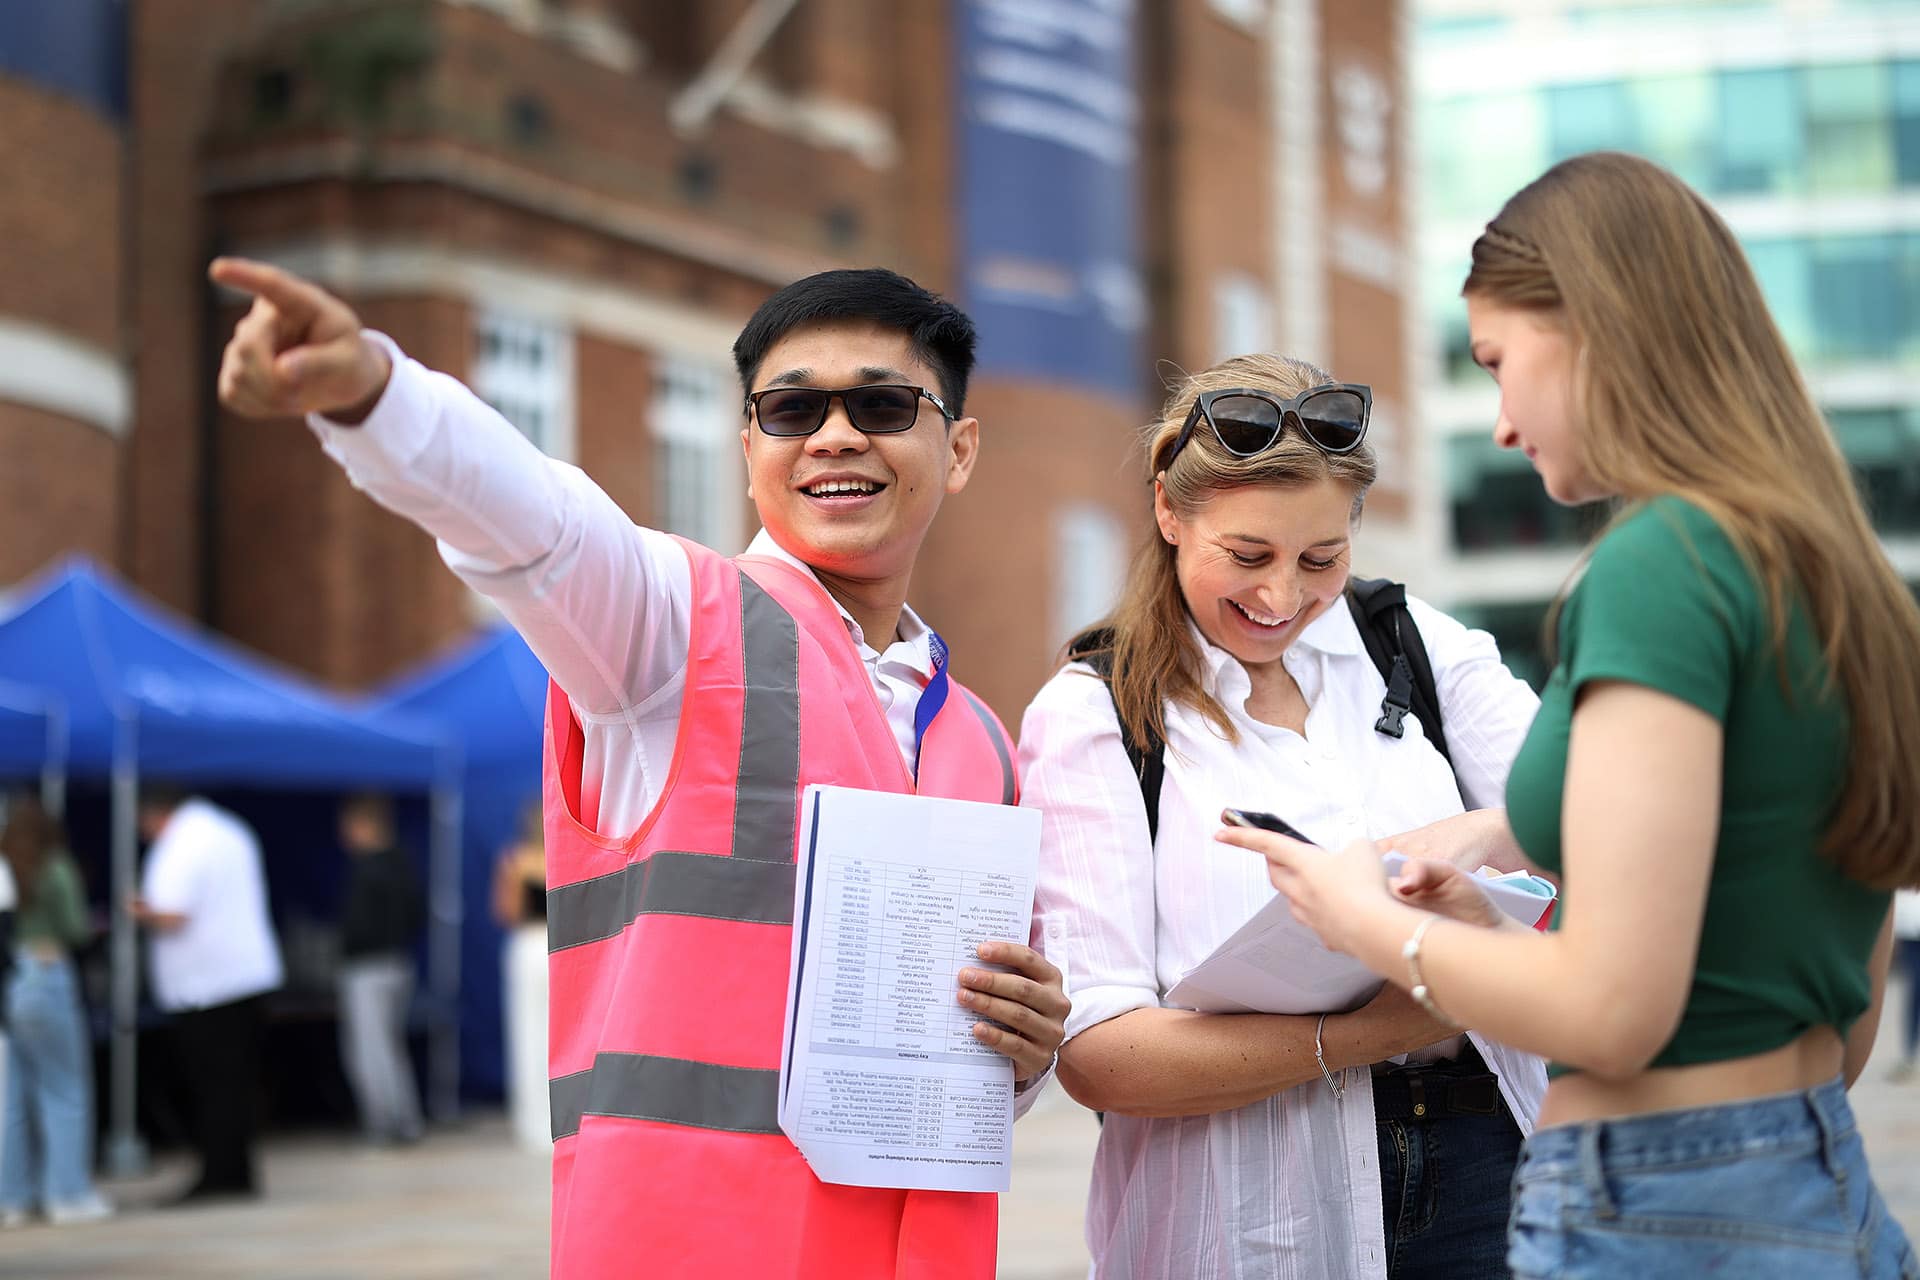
(882, 1083)
(1275, 964)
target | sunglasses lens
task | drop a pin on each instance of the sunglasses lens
(1335, 420)
(795, 411)
(1246, 424)
(883, 409)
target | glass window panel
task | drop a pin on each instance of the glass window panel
(1859, 311)
(1883, 448)
(1782, 267)
(1762, 144)
(1590, 117)
(1518, 629)
(1678, 117)
(1497, 502)
(1849, 128)
(1479, 151)
(1906, 123)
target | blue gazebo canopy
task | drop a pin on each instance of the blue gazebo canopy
(142, 688)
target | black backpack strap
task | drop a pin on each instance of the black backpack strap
(1095, 648)
(1393, 642)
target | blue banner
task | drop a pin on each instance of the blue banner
(1050, 263)
(74, 47)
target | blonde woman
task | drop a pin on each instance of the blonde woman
(520, 908)
(1722, 769)
(1364, 1144)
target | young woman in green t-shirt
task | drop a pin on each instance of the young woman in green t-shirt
(1722, 770)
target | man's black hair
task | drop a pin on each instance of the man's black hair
(941, 333)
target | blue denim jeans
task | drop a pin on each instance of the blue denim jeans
(1445, 1184)
(46, 1154)
(1772, 1189)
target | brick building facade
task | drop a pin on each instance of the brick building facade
(574, 206)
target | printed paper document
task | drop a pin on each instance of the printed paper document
(1275, 964)
(882, 1083)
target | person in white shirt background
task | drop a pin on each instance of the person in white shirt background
(1262, 1145)
(203, 901)
(1906, 943)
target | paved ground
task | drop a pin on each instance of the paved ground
(466, 1203)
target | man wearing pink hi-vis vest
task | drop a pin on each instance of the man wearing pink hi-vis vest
(695, 696)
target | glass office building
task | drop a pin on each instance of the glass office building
(1799, 119)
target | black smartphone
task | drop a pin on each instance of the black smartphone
(1264, 821)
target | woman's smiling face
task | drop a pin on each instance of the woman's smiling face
(1258, 563)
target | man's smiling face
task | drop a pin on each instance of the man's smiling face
(849, 504)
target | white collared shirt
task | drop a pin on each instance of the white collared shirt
(205, 865)
(1288, 1187)
(603, 603)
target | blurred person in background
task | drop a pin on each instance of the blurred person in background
(1722, 769)
(203, 900)
(520, 908)
(672, 665)
(1369, 1143)
(46, 1154)
(1906, 942)
(383, 918)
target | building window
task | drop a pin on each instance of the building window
(1906, 122)
(699, 478)
(1498, 503)
(523, 367)
(1090, 565)
(1850, 128)
(1242, 316)
(1590, 117)
(1883, 448)
(1520, 631)
(1861, 288)
(1762, 144)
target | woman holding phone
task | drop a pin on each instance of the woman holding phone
(1722, 769)
(1361, 1144)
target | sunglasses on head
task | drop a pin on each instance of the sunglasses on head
(1245, 421)
(879, 409)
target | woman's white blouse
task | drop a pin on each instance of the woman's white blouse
(1289, 1186)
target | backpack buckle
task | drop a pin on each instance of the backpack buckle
(1392, 719)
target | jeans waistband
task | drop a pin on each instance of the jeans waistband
(1817, 1118)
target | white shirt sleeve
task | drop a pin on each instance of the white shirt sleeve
(1093, 903)
(601, 601)
(1485, 709)
(175, 864)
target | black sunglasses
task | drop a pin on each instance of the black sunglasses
(1246, 421)
(879, 409)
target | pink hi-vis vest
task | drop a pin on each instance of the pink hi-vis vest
(670, 949)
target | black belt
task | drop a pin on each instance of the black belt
(1440, 1089)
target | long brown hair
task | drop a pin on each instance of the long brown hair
(1155, 659)
(28, 841)
(1684, 386)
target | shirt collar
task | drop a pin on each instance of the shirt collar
(913, 648)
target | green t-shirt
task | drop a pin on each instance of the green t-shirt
(57, 910)
(1668, 603)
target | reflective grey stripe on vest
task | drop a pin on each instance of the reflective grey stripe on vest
(638, 1086)
(1007, 789)
(669, 883)
(763, 799)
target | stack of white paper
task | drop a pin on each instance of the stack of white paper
(1275, 964)
(882, 1083)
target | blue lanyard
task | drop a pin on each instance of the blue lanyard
(932, 698)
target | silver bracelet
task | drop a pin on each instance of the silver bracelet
(1320, 1056)
(1422, 994)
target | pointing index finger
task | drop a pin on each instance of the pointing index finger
(287, 292)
